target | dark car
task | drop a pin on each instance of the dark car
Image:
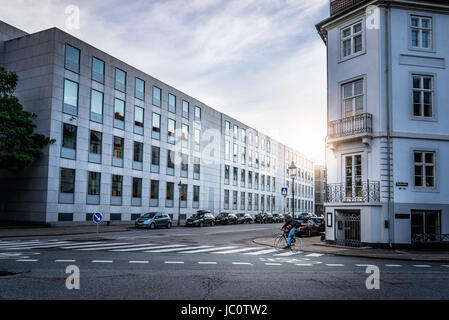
(201, 218)
(226, 218)
(244, 218)
(320, 222)
(278, 217)
(308, 228)
(154, 220)
(303, 215)
(268, 218)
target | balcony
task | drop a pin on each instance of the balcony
(341, 5)
(350, 128)
(363, 192)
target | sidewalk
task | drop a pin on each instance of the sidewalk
(314, 244)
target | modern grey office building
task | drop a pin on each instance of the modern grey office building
(127, 143)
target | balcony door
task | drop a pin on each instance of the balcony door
(353, 98)
(353, 177)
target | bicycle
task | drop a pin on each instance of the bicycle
(281, 241)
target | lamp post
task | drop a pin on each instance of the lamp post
(179, 203)
(292, 171)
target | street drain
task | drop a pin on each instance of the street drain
(7, 273)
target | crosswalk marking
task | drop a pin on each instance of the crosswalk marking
(287, 254)
(55, 244)
(177, 249)
(85, 247)
(26, 260)
(314, 255)
(149, 248)
(13, 243)
(242, 263)
(117, 247)
(273, 264)
(208, 250)
(303, 264)
(260, 252)
(26, 244)
(234, 250)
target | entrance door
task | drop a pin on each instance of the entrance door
(347, 224)
(426, 226)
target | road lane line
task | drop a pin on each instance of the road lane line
(61, 260)
(206, 262)
(393, 265)
(363, 265)
(138, 261)
(445, 265)
(174, 262)
(303, 264)
(421, 266)
(83, 246)
(177, 249)
(235, 250)
(208, 250)
(102, 261)
(149, 247)
(261, 252)
(242, 263)
(273, 264)
(26, 260)
(335, 265)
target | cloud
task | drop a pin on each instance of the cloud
(259, 61)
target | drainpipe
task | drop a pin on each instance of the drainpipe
(388, 98)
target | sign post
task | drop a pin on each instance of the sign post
(97, 217)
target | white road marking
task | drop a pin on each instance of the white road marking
(243, 263)
(27, 260)
(314, 255)
(95, 245)
(273, 264)
(174, 262)
(149, 247)
(235, 250)
(393, 265)
(119, 247)
(363, 265)
(138, 261)
(208, 250)
(334, 265)
(303, 264)
(21, 247)
(445, 265)
(287, 254)
(177, 249)
(261, 252)
(61, 260)
(102, 261)
(421, 265)
(206, 262)
(15, 243)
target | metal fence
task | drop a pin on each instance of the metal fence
(430, 238)
(365, 191)
(361, 123)
(347, 229)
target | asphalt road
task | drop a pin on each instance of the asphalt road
(211, 263)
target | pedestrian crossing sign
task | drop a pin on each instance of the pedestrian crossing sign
(284, 191)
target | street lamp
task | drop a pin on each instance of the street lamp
(179, 203)
(292, 172)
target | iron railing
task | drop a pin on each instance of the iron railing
(341, 5)
(363, 192)
(430, 238)
(361, 123)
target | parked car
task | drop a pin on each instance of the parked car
(278, 217)
(320, 222)
(226, 218)
(268, 218)
(308, 228)
(153, 220)
(244, 218)
(201, 218)
(303, 215)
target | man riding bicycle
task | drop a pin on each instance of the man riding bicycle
(293, 225)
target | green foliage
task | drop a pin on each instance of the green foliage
(19, 145)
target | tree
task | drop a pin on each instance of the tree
(19, 145)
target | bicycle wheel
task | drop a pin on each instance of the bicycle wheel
(280, 242)
(297, 245)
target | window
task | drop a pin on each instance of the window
(235, 176)
(68, 149)
(227, 150)
(234, 200)
(197, 113)
(119, 113)
(196, 196)
(155, 158)
(256, 180)
(70, 97)
(257, 159)
(67, 185)
(352, 40)
(185, 109)
(421, 32)
(157, 94)
(262, 145)
(227, 128)
(423, 96)
(93, 187)
(236, 131)
(170, 162)
(226, 199)
(243, 135)
(235, 152)
(426, 225)
(137, 191)
(250, 179)
(243, 158)
(72, 58)
(95, 146)
(116, 190)
(138, 120)
(117, 156)
(257, 141)
(183, 195)
(185, 135)
(242, 177)
(184, 165)
(170, 191)
(156, 127)
(171, 103)
(242, 200)
(138, 155)
(96, 106)
(353, 171)
(353, 98)
(262, 182)
(226, 174)
(250, 158)
(424, 169)
(120, 80)
(250, 201)
(140, 89)
(196, 168)
(197, 139)
(97, 70)
(171, 131)
(250, 138)
(154, 193)
(256, 201)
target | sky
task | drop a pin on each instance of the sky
(259, 61)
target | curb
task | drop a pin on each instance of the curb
(369, 256)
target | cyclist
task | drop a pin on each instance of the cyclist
(294, 225)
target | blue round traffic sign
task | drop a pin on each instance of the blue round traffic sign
(97, 217)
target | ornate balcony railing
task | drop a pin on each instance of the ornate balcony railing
(340, 5)
(430, 238)
(361, 123)
(363, 192)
